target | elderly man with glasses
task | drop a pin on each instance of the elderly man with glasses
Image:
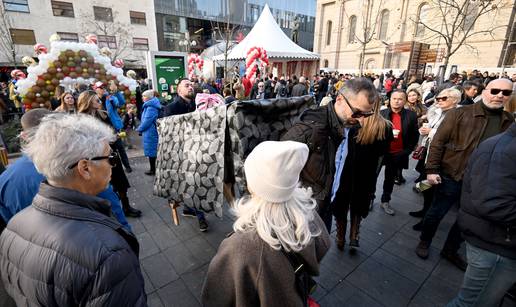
(325, 131)
(66, 249)
(461, 131)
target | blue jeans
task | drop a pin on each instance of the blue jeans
(446, 195)
(486, 280)
(198, 213)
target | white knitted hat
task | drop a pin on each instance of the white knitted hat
(272, 169)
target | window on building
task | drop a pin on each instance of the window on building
(326, 63)
(137, 18)
(106, 41)
(422, 17)
(384, 25)
(140, 43)
(352, 28)
(103, 13)
(328, 32)
(23, 37)
(68, 36)
(16, 5)
(64, 9)
(470, 12)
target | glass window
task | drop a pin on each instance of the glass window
(68, 36)
(140, 43)
(137, 18)
(16, 5)
(103, 13)
(471, 12)
(326, 63)
(328, 32)
(352, 29)
(106, 41)
(64, 9)
(23, 37)
(384, 25)
(422, 18)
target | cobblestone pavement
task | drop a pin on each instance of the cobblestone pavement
(384, 272)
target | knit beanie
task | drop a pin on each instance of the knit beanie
(272, 169)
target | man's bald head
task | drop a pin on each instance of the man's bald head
(493, 95)
(32, 118)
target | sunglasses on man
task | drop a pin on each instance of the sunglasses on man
(496, 91)
(112, 159)
(356, 113)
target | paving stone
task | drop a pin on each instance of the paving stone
(136, 226)
(147, 245)
(200, 248)
(330, 300)
(159, 270)
(149, 287)
(382, 283)
(185, 231)
(182, 259)
(177, 294)
(449, 272)
(400, 266)
(153, 300)
(352, 296)
(435, 292)
(163, 236)
(327, 277)
(194, 280)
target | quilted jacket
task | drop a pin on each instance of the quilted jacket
(65, 250)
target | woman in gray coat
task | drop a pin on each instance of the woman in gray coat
(277, 231)
(66, 249)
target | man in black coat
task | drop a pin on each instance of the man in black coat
(487, 219)
(300, 88)
(406, 135)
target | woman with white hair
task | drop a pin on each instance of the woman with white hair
(66, 249)
(279, 239)
(446, 100)
(147, 128)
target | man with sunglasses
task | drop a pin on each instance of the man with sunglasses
(325, 131)
(461, 131)
(406, 135)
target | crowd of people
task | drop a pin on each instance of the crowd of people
(56, 201)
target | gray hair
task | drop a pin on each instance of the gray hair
(302, 79)
(354, 86)
(149, 94)
(285, 225)
(451, 92)
(63, 139)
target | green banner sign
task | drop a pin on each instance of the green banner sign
(169, 70)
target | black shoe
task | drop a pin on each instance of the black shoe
(189, 212)
(456, 259)
(203, 225)
(420, 213)
(354, 243)
(423, 249)
(418, 226)
(150, 173)
(128, 170)
(397, 181)
(132, 212)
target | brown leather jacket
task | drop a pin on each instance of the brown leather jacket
(457, 137)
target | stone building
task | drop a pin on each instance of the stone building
(399, 42)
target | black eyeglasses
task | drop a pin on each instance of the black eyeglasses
(356, 113)
(443, 98)
(496, 91)
(112, 159)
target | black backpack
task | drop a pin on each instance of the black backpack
(282, 92)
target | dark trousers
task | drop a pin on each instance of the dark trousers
(119, 146)
(393, 165)
(152, 164)
(325, 212)
(447, 194)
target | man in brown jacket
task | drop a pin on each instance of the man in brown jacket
(459, 134)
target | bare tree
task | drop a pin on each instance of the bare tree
(370, 19)
(122, 32)
(7, 46)
(453, 21)
(226, 31)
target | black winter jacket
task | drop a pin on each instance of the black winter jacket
(321, 130)
(487, 215)
(409, 132)
(66, 250)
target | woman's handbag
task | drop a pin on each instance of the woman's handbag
(419, 153)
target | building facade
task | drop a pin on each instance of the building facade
(396, 40)
(193, 25)
(128, 28)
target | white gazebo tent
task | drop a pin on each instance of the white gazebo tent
(285, 56)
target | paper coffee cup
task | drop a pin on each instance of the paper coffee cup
(396, 132)
(426, 125)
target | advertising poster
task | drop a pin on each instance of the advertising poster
(167, 69)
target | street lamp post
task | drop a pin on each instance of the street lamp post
(187, 42)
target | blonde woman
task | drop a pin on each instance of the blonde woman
(358, 180)
(68, 104)
(415, 104)
(511, 105)
(277, 229)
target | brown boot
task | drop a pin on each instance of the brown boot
(341, 233)
(354, 230)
